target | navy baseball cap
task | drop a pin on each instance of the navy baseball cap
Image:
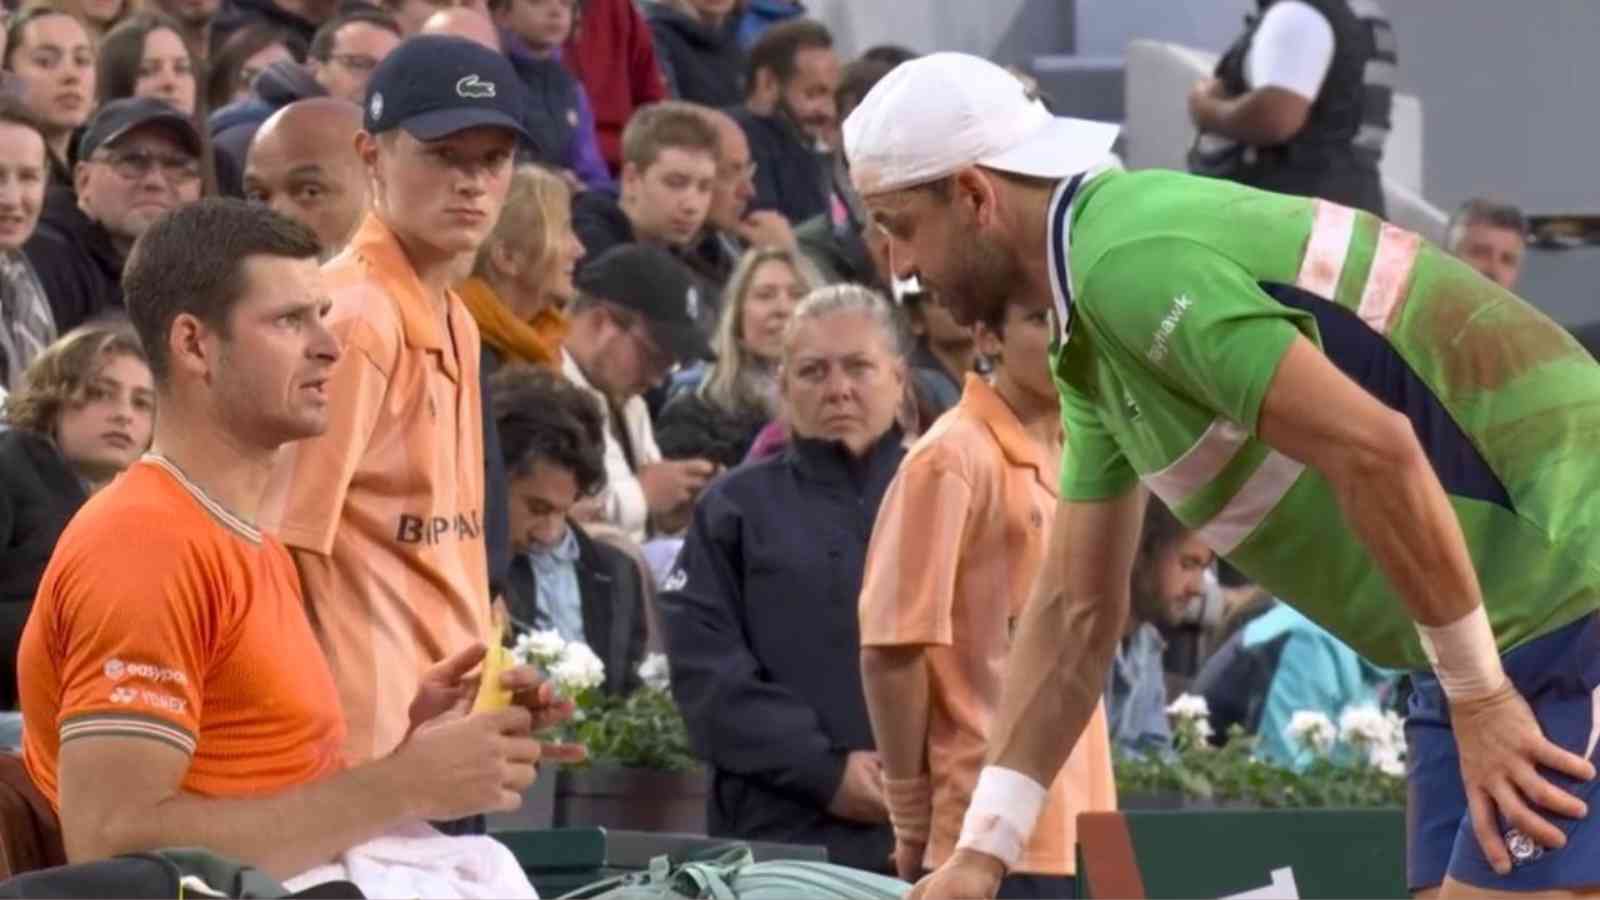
(434, 85)
(115, 119)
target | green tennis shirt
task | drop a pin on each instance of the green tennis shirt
(1177, 296)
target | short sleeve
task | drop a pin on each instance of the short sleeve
(909, 583)
(1192, 319)
(1093, 467)
(312, 477)
(138, 632)
(1292, 49)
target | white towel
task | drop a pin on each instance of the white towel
(418, 861)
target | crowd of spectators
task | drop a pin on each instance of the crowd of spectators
(617, 348)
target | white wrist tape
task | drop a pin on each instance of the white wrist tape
(1004, 807)
(1464, 656)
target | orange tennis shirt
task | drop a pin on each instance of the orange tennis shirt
(163, 616)
(958, 543)
(384, 511)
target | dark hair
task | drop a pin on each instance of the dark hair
(669, 124)
(856, 80)
(1490, 211)
(28, 16)
(1161, 530)
(322, 42)
(543, 417)
(889, 54)
(58, 378)
(778, 46)
(191, 260)
(223, 70)
(122, 51)
(14, 112)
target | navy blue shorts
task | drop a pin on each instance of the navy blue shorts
(1558, 675)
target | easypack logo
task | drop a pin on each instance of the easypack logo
(116, 670)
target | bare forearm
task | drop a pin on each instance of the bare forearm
(896, 683)
(1403, 517)
(1261, 118)
(283, 834)
(1055, 679)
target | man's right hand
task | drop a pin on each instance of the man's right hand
(766, 228)
(966, 875)
(673, 483)
(459, 766)
(860, 793)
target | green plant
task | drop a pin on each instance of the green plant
(1338, 776)
(643, 730)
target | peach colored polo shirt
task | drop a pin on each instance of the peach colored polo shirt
(958, 543)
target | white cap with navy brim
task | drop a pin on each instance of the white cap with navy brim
(935, 115)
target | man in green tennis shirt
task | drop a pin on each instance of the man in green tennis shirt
(1371, 430)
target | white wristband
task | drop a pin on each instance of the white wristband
(1464, 656)
(1002, 813)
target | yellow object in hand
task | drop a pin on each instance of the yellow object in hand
(491, 695)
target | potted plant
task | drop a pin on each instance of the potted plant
(1357, 763)
(640, 774)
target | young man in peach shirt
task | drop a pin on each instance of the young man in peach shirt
(955, 551)
(384, 511)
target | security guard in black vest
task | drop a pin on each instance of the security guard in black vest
(1300, 103)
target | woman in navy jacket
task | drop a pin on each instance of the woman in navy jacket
(760, 612)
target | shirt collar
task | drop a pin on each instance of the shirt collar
(376, 244)
(566, 551)
(1020, 448)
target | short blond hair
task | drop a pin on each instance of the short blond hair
(538, 205)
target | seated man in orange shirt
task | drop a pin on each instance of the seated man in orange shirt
(955, 551)
(172, 691)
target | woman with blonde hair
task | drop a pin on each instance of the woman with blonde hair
(522, 278)
(84, 411)
(718, 418)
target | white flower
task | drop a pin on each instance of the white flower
(1202, 728)
(1363, 727)
(539, 648)
(655, 672)
(1388, 759)
(1190, 706)
(1311, 730)
(577, 670)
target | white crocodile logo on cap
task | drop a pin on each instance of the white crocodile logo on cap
(375, 106)
(472, 87)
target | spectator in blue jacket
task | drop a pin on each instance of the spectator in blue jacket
(760, 611)
(560, 119)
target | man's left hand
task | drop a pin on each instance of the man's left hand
(1202, 101)
(448, 687)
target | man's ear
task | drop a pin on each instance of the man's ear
(190, 349)
(81, 173)
(975, 189)
(764, 90)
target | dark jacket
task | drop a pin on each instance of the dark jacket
(702, 65)
(838, 251)
(234, 126)
(791, 176)
(77, 264)
(612, 591)
(762, 634)
(1335, 153)
(559, 122)
(39, 493)
(691, 426)
(599, 222)
(496, 485)
(237, 14)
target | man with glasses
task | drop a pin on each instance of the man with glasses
(634, 319)
(343, 55)
(138, 159)
(732, 227)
